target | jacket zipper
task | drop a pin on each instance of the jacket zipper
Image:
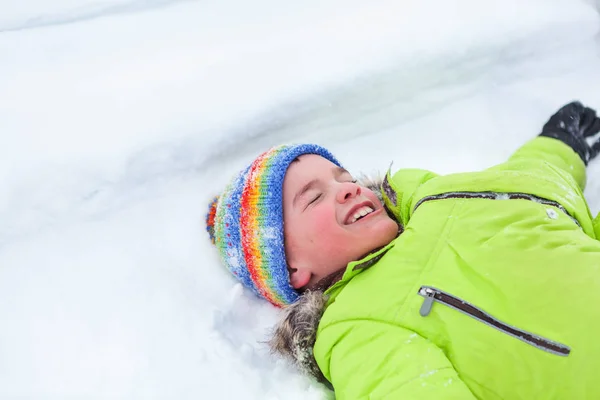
(432, 295)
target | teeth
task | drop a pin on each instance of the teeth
(361, 212)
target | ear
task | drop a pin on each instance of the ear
(299, 277)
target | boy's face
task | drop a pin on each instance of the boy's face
(321, 204)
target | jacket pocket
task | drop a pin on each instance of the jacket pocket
(432, 295)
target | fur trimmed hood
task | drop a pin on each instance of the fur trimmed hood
(295, 334)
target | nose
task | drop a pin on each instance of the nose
(347, 191)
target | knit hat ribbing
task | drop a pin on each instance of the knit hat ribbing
(246, 223)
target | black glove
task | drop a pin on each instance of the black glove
(572, 124)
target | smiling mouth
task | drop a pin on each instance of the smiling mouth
(360, 212)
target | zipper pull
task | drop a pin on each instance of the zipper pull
(429, 295)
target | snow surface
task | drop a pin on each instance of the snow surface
(120, 119)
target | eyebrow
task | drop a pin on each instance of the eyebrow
(337, 171)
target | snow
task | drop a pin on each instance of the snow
(552, 214)
(121, 119)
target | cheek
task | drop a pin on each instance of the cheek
(322, 220)
(372, 196)
(311, 228)
(319, 226)
(326, 239)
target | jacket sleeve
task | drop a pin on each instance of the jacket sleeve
(548, 168)
(375, 360)
(554, 152)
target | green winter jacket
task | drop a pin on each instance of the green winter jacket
(491, 292)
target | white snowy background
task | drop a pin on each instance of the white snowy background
(121, 119)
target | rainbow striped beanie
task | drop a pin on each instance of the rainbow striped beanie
(246, 223)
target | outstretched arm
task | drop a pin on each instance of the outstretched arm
(567, 141)
(574, 124)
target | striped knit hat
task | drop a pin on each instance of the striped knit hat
(246, 223)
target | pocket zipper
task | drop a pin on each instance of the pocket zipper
(432, 295)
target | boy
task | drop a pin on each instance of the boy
(479, 285)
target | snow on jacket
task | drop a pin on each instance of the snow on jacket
(491, 292)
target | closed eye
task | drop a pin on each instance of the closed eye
(314, 200)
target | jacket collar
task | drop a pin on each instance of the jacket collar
(354, 268)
